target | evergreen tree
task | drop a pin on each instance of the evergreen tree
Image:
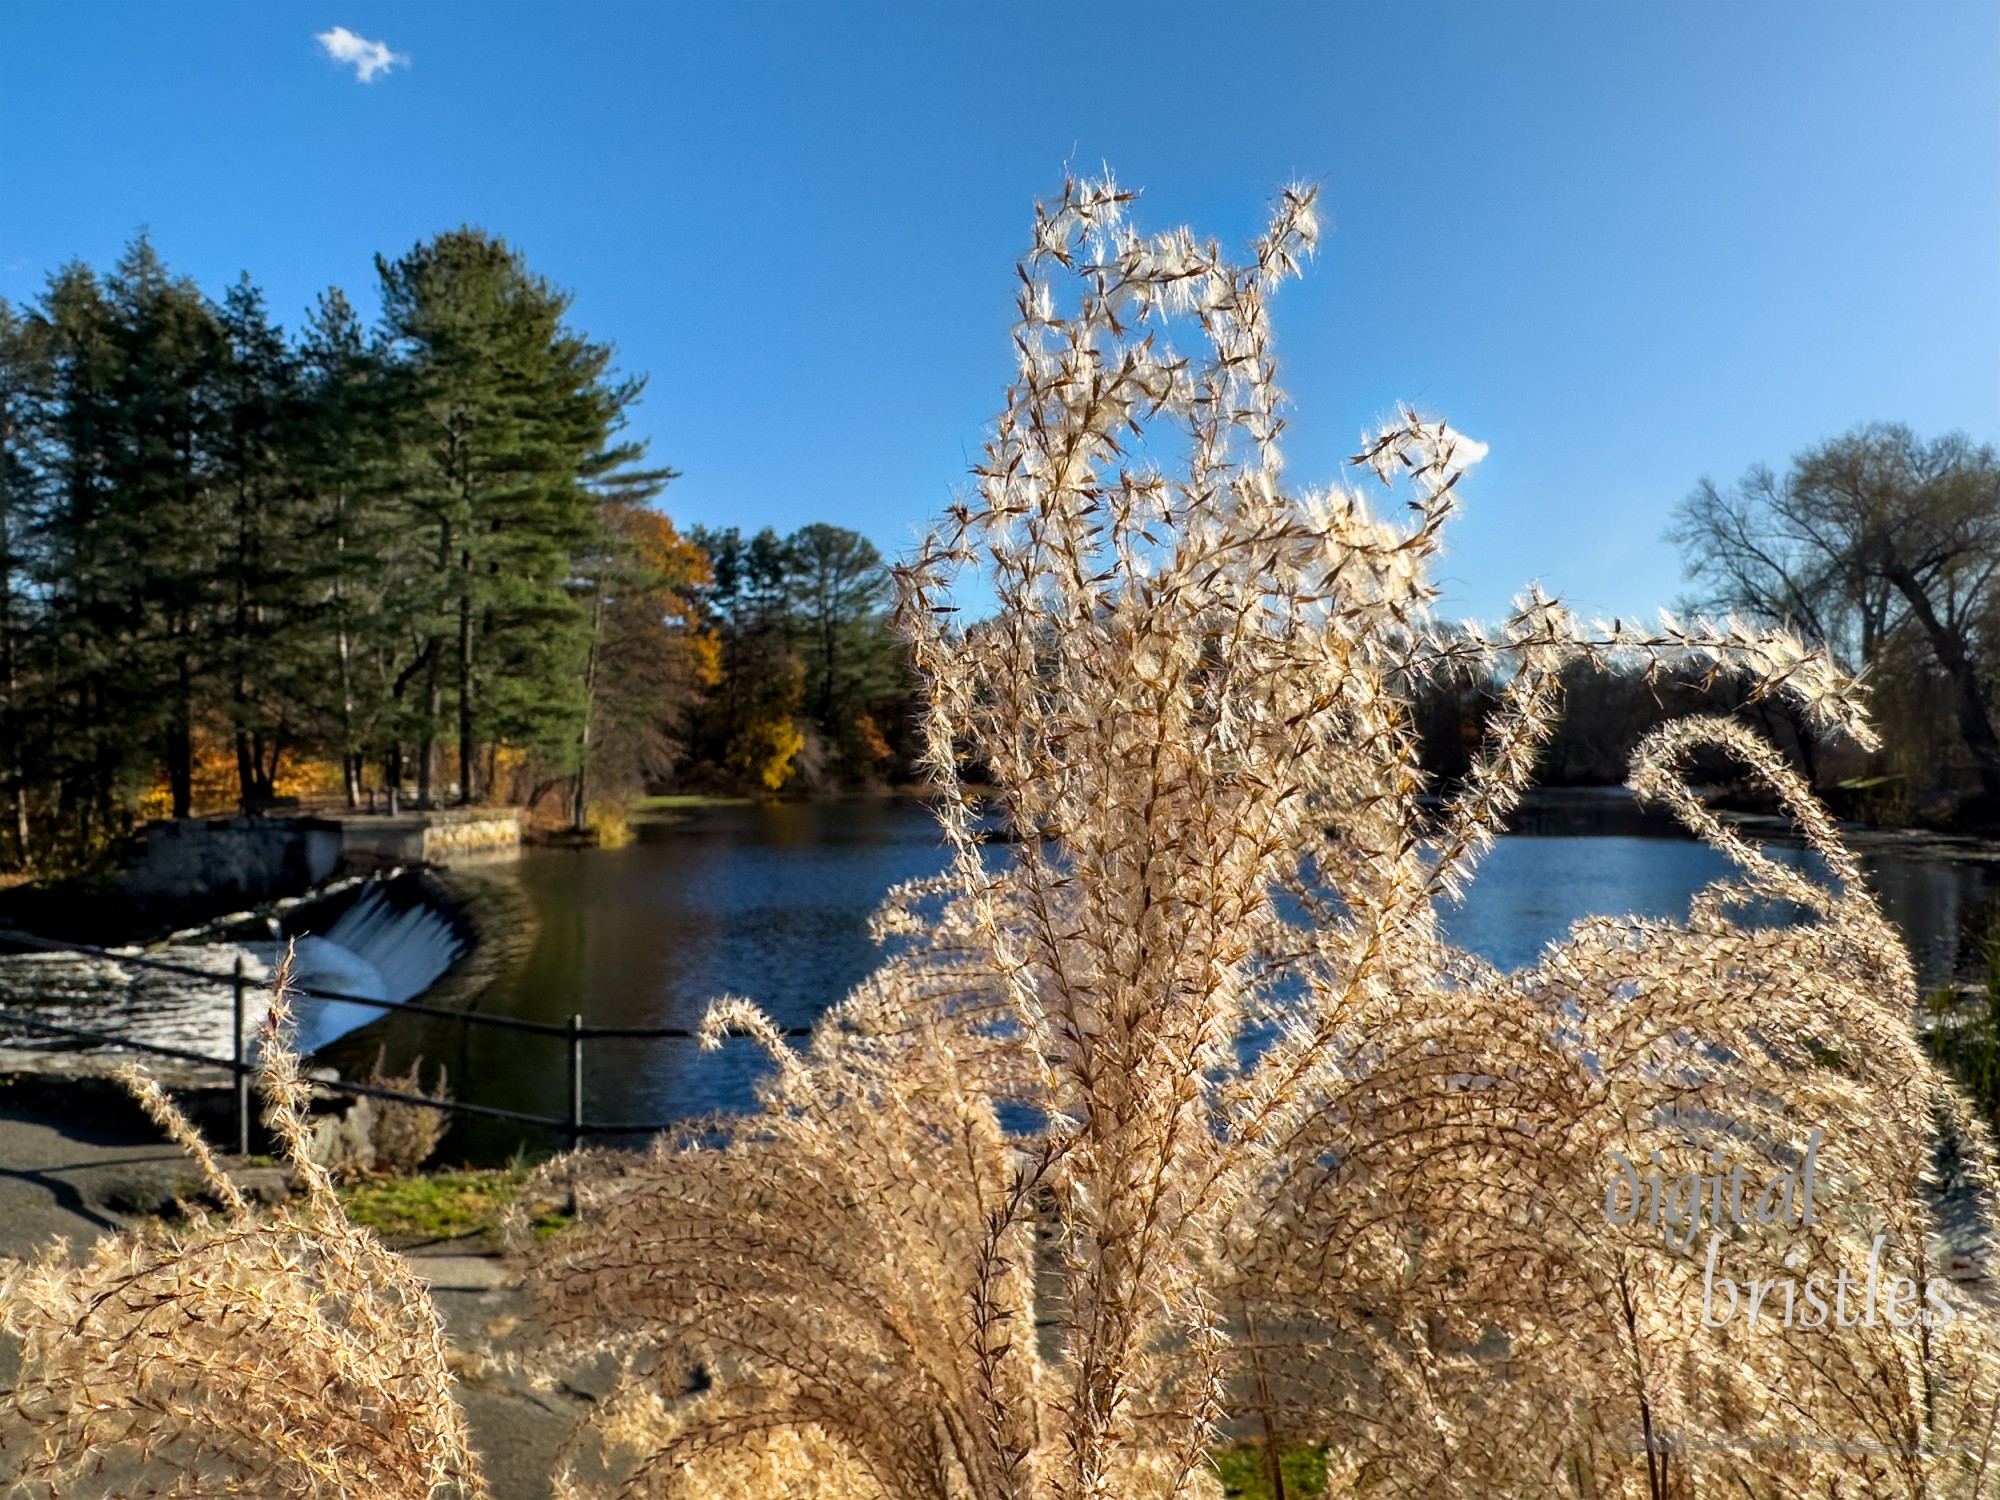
(123, 549)
(366, 637)
(513, 416)
(808, 660)
(165, 510)
(841, 593)
(750, 730)
(265, 620)
(24, 465)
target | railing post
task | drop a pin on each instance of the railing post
(242, 1069)
(575, 1081)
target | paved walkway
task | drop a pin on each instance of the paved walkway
(76, 1176)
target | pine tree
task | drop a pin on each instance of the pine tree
(841, 593)
(165, 514)
(24, 466)
(808, 658)
(750, 730)
(121, 561)
(366, 638)
(265, 616)
(513, 416)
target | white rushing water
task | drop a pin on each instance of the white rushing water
(374, 952)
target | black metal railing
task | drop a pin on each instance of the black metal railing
(574, 1032)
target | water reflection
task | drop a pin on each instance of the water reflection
(770, 903)
(1938, 904)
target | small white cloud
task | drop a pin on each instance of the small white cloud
(1465, 451)
(369, 58)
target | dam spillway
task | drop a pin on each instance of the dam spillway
(390, 942)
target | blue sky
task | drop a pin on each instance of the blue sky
(1625, 245)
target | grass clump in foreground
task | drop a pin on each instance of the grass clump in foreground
(286, 1354)
(462, 1205)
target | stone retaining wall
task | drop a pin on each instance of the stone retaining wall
(435, 838)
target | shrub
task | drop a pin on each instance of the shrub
(404, 1135)
(608, 822)
(372, 1134)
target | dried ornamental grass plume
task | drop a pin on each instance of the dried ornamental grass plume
(288, 1357)
(1184, 1115)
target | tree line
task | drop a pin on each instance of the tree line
(1882, 545)
(419, 555)
(422, 555)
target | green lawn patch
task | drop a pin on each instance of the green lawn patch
(1242, 1472)
(447, 1206)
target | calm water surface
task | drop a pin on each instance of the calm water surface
(772, 903)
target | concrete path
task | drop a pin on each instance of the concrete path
(76, 1176)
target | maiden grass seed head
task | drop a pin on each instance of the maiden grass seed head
(1027, 1219)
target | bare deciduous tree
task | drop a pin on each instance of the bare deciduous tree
(1868, 535)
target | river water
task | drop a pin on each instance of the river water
(772, 903)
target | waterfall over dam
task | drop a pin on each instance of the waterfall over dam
(392, 942)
